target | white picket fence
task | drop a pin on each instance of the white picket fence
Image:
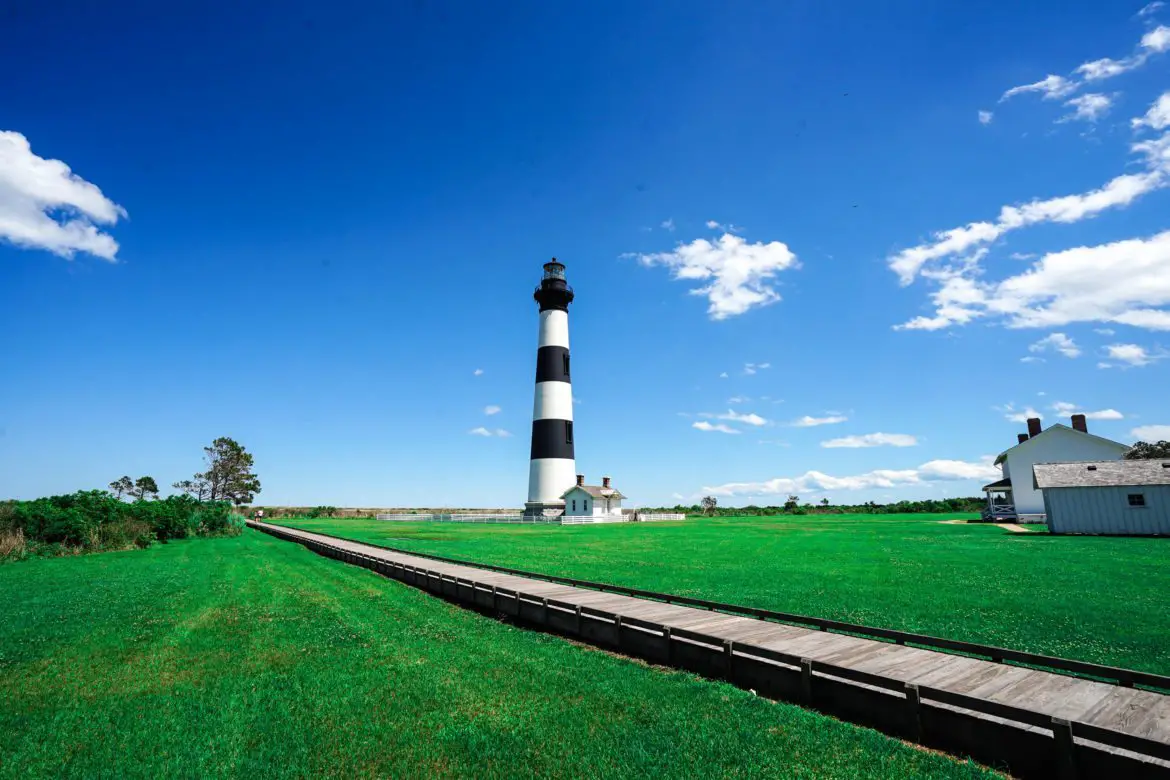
(505, 518)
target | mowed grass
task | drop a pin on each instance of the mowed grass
(252, 657)
(1090, 598)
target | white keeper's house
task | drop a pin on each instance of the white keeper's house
(597, 502)
(1015, 498)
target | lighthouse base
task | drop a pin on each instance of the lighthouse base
(542, 509)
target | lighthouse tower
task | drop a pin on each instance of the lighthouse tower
(552, 468)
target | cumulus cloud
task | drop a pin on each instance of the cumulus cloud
(753, 368)
(491, 409)
(1058, 342)
(1065, 409)
(873, 440)
(723, 375)
(1011, 414)
(816, 481)
(703, 425)
(1031, 359)
(1088, 108)
(808, 421)
(733, 416)
(44, 205)
(1157, 40)
(1132, 354)
(668, 225)
(1051, 87)
(477, 372)
(481, 431)
(734, 276)
(1151, 433)
(985, 117)
(1157, 117)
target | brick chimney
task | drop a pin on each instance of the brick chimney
(1021, 437)
(605, 482)
(1034, 426)
(580, 479)
(1079, 424)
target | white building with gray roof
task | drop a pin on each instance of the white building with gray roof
(1122, 497)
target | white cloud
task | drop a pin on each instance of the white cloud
(969, 241)
(703, 425)
(1058, 342)
(738, 399)
(491, 409)
(728, 228)
(809, 422)
(714, 225)
(816, 481)
(44, 205)
(1132, 354)
(668, 225)
(1157, 39)
(1052, 87)
(481, 431)
(1157, 117)
(1011, 414)
(1149, 9)
(1104, 331)
(1031, 359)
(1149, 433)
(752, 368)
(733, 416)
(723, 375)
(1065, 409)
(985, 117)
(873, 440)
(1088, 108)
(478, 372)
(737, 276)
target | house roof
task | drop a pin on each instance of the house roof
(999, 484)
(1103, 473)
(596, 491)
(1003, 455)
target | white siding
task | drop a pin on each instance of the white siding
(1054, 445)
(1106, 510)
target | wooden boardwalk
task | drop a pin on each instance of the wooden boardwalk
(1037, 723)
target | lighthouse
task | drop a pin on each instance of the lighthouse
(552, 466)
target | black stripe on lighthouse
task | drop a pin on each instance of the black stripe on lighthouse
(552, 439)
(552, 364)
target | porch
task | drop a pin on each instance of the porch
(1000, 508)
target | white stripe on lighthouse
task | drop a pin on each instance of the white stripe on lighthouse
(554, 401)
(552, 475)
(554, 328)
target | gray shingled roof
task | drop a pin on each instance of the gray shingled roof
(1101, 473)
(596, 491)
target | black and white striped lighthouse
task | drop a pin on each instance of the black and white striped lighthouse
(552, 468)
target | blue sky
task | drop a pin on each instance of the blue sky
(316, 229)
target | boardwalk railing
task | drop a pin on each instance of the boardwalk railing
(1111, 674)
(896, 706)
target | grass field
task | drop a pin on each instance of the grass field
(1090, 598)
(252, 657)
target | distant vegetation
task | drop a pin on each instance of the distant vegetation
(1147, 451)
(709, 507)
(95, 520)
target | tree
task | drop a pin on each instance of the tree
(1144, 451)
(229, 475)
(144, 487)
(824, 502)
(197, 489)
(709, 504)
(792, 503)
(122, 486)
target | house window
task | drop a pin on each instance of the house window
(574, 505)
(585, 503)
(1137, 499)
(569, 432)
(565, 359)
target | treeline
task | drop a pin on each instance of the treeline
(95, 520)
(927, 506)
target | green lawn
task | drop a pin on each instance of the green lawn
(252, 657)
(1089, 598)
